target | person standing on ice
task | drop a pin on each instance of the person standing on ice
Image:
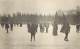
(65, 29)
(55, 28)
(33, 30)
(77, 28)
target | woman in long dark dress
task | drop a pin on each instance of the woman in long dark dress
(55, 28)
(77, 28)
(28, 26)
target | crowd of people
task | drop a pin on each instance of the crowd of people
(8, 22)
(44, 28)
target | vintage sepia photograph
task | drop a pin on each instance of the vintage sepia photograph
(39, 24)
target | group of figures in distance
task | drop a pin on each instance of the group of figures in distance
(34, 20)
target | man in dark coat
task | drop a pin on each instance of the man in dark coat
(11, 27)
(33, 30)
(77, 28)
(20, 25)
(6, 27)
(41, 28)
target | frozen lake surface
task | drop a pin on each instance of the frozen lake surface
(20, 39)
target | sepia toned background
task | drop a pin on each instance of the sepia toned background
(37, 6)
(19, 38)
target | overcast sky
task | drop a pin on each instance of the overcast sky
(37, 6)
